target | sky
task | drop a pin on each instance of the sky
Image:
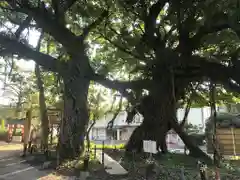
(22, 64)
(33, 37)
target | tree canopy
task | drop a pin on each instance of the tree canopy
(197, 41)
(167, 49)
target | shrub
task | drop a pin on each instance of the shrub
(3, 134)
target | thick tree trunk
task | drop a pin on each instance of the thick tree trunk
(143, 132)
(151, 129)
(43, 109)
(162, 113)
(75, 118)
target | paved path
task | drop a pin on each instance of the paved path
(13, 167)
(16, 168)
(111, 166)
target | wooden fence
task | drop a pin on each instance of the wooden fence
(228, 141)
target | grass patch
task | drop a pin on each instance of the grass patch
(3, 131)
(3, 134)
(105, 146)
(94, 145)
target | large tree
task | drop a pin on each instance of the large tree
(72, 64)
(170, 43)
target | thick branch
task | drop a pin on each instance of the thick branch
(87, 29)
(68, 4)
(203, 31)
(232, 86)
(11, 46)
(150, 21)
(122, 85)
(45, 20)
(188, 106)
(217, 72)
(22, 26)
(111, 122)
(123, 49)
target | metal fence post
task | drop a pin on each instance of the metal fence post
(95, 151)
(182, 174)
(103, 152)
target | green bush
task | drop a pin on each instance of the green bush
(18, 132)
(3, 131)
(3, 134)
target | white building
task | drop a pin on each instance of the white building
(122, 130)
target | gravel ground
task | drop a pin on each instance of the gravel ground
(165, 169)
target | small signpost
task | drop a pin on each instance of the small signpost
(149, 147)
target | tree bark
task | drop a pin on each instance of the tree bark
(141, 133)
(27, 128)
(151, 128)
(160, 111)
(75, 117)
(43, 109)
(195, 151)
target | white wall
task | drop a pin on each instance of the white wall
(127, 133)
(98, 133)
(196, 116)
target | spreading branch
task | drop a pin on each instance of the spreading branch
(44, 19)
(11, 46)
(218, 73)
(205, 30)
(123, 49)
(23, 26)
(188, 106)
(151, 19)
(122, 85)
(111, 122)
(93, 25)
(68, 4)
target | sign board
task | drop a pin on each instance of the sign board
(54, 116)
(150, 146)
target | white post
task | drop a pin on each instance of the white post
(118, 134)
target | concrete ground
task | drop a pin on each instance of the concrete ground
(13, 167)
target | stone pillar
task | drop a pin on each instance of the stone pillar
(118, 134)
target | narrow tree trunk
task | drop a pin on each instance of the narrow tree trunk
(195, 151)
(27, 127)
(43, 109)
(167, 102)
(75, 118)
